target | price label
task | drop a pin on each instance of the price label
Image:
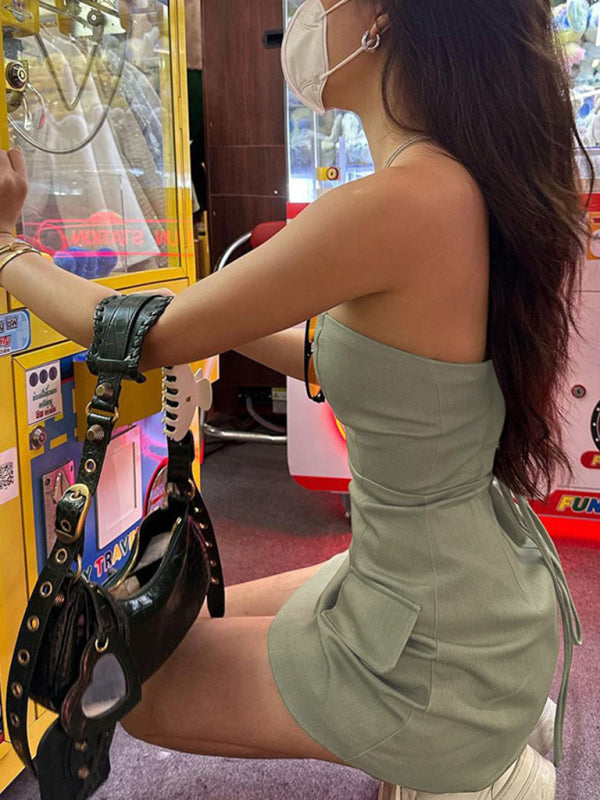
(15, 332)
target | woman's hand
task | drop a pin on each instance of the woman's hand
(13, 189)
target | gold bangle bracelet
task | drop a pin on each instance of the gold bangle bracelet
(15, 254)
(8, 248)
(15, 245)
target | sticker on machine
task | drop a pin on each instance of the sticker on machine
(15, 332)
(9, 476)
(44, 395)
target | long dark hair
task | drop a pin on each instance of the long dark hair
(488, 81)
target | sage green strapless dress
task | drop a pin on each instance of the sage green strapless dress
(424, 654)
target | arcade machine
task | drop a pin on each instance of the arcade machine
(324, 152)
(95, 96)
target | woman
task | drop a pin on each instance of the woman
(424, 654)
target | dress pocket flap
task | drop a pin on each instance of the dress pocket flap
(372, 621)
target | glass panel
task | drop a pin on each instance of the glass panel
(578, 31)
(323, 152)
(90, 103)
(337, 139)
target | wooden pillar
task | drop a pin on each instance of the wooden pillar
(244, 106)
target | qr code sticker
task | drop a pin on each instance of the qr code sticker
(9, 476)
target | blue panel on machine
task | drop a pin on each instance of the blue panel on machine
(15, 332)
(50, 471)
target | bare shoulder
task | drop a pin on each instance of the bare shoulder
(424, 213)
(425, 180)
(428, 228)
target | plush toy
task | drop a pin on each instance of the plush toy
(577, 24)
(585, 116)
(594, 130)
(87, 264)
(561, 23)
(302, 141)
(571, 20)
(575, 54)
(65, 260)
(591, 34)
(577, 15)
(587, 71)
(107, 261)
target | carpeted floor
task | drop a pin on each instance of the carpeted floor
(265, 523)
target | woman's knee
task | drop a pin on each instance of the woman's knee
(139, 722)
(263, 597)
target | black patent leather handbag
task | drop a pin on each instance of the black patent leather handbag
(83, 650)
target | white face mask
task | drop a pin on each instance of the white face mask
(304, 55)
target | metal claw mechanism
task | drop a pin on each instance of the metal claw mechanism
(28, 98)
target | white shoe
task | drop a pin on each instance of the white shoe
(531, 777)
(542, 736)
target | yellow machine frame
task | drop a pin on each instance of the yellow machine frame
(18, 562)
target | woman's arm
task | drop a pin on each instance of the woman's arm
(282, 351)
(40, 284)
(360, 239)
(65, 301)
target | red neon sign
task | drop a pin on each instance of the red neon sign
(106, 229)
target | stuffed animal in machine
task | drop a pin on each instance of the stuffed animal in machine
(571, 20)
(591, 34)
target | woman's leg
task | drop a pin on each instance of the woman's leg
(216, 695)
(265, 596)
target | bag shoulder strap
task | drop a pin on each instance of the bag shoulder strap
(179, 475)
(120, 325)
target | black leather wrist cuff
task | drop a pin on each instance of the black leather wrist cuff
(121, 323)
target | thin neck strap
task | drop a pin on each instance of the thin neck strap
(403, 147)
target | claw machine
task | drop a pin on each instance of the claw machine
(325, 151)
(95, 95)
